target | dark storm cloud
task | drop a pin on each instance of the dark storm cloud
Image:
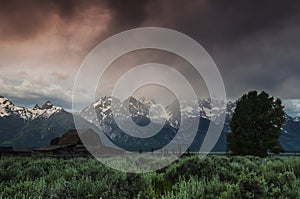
(217, 20)
(21, 19)
(255, 44)
(44, 38)
(248, 16)
(206, 20)
(27, 19)
(129, 13)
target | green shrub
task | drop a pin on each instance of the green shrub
(189, 177)
(252, 186)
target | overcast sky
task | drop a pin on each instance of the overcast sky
(255, 44)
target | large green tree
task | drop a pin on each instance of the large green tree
(256, 125)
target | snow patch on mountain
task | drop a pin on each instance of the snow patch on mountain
(100, 112)
(296, 119)
(7, 108)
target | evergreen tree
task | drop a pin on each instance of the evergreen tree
(256, 125)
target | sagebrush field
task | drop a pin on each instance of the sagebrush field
(189, 177)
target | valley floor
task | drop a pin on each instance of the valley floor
(189, 177)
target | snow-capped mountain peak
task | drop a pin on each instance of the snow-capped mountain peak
(47, 105)
(36, 106)
(148, 101)
(7, 108)
(146, 109)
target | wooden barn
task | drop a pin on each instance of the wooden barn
(71, 145)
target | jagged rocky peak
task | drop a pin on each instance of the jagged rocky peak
(107, 100)
(144, 102)
(102, 102)
(147, 101)
(47, 105)
(36, 107)
(131, 100)
(4, 100)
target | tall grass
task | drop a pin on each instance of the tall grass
(189, 177)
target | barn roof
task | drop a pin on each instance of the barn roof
(71, 137)
(89, 137)
(49, 148)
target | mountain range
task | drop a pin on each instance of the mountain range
(20, 126)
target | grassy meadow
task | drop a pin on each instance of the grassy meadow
(189, 177)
